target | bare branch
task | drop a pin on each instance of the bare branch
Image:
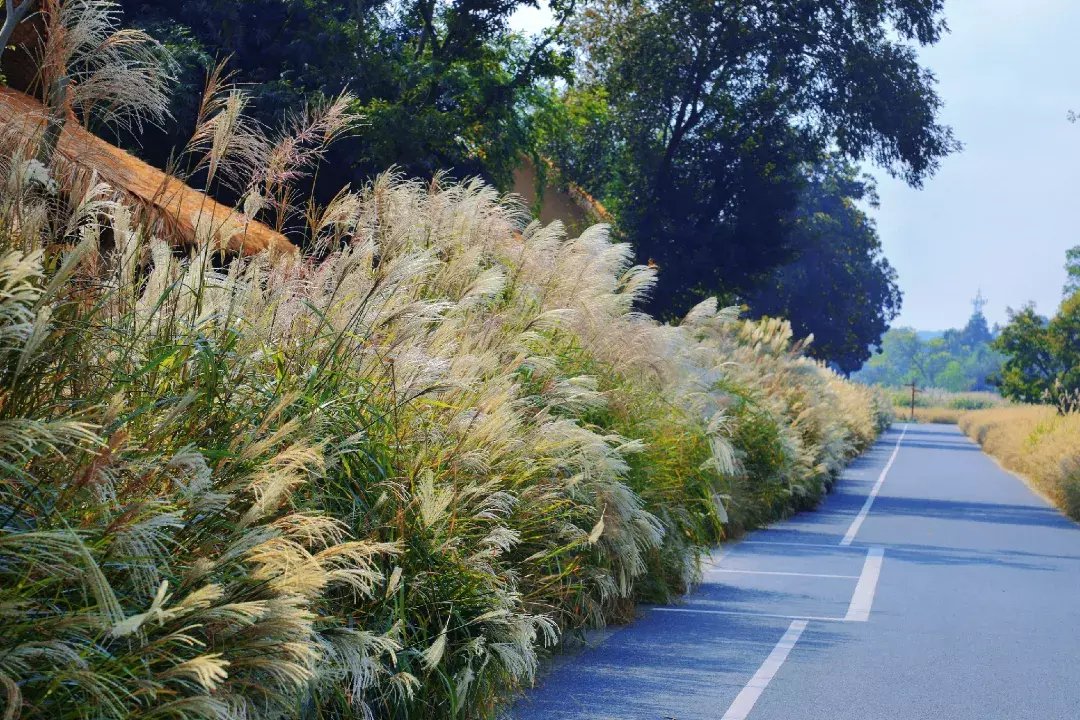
(16, 11)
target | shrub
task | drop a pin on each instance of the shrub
(1070, 486)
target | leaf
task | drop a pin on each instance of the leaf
(721, 510)
(597, 531)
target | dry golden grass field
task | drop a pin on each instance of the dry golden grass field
(934, 405)
(929, 414)
(1036, 442)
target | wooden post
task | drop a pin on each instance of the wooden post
(912, 401)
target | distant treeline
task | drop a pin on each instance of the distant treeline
(957, 360)
(1032, 359)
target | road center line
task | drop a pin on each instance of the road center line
(863, 597)
(748, 696)
(777, 572)
(849, 536)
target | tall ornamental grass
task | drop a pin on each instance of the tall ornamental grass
(377, 479)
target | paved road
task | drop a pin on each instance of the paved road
(931, 584)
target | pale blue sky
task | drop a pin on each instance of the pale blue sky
(999, 215)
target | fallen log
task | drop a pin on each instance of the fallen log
(187, 217)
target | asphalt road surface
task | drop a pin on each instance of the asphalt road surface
(930, 584)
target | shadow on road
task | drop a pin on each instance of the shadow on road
(994, 513)
(917, 553)
(692, 664)
(952, 431)
(940, 445)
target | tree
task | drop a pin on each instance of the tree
(717, 108)
(839, 287)
(977, 331)
(1072, 271)
(1043, 363)
(900, 360)
(441, 83)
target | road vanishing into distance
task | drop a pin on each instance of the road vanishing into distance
(930, 584)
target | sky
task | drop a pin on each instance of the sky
(998, 216)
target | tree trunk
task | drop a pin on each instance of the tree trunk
(177, 212)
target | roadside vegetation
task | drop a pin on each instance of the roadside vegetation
(376, 478)
(934, 405)
(1037, 442)
(1043, 356)
(1042, 365)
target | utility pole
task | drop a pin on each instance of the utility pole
(912, 401)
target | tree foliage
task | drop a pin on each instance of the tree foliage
(1043, 363)
(958, 360)
(1072, 271)
(715, 109)
(440, 83)
(839, 288)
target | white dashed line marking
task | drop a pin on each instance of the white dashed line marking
(849, 536)
(748, 696)
(863, 597)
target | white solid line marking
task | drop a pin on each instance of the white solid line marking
(748, 696)
(777, 572)
(849, 536)
(739, 613)
(863, 597)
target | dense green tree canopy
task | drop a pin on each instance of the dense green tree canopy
(714, 109)
(839, 287)
(440, 83)
(1043, 356)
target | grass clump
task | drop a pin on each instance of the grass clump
(1037, 442)
(378, 478)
